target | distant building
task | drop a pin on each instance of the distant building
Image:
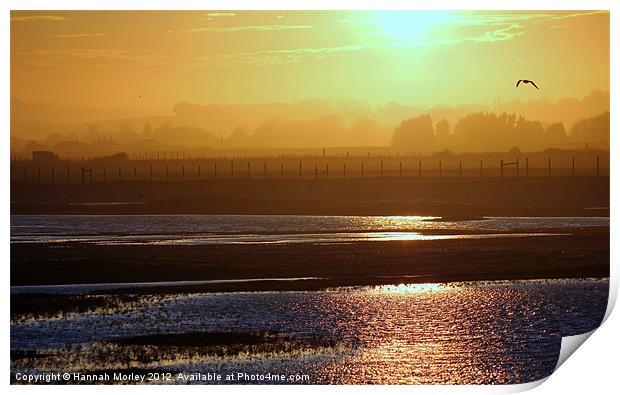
(44, 156)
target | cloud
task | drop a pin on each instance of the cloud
(579, 14)
(503, 34)
(296, 55)
(278, 56)
(90, 57)
(220, 14)
(271, 28)
(511, 19)
(32, 18)
(496, 19)
(79, 35)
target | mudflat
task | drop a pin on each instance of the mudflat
(447, 196)
(571, 253)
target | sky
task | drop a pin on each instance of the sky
(155, 59)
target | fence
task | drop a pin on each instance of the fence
(323, 168)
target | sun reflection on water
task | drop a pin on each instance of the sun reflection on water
(413, 288)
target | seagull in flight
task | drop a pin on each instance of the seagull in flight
(526, 82)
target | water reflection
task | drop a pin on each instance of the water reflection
(295, 238)
(413, 288)
(467, 333)
(92, 225)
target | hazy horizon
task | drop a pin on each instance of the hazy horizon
(297, 79)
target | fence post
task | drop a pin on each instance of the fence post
(517, 167)
(167, 173)
(381, 168)
(265, 169)
(439, 169)
(460, 169)
(232, 169)
(282, 169)
(299, 169)
(527, 167)
(183, 172)
(215, 171)
(316, 172)
(151, 173)
(134, 174)
(249, 170)
(501, 166)
(327, 171)
(480, 168)
(362, 169)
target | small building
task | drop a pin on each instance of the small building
(44, 156)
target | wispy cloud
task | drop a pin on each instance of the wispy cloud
(220, 14)
(580, 14)
(296, 55)
(277, 56)
(90, 56)
(515, 19)
(31, 18)
(79, 35)
(263, 28)
(502, 34)
(212, 15)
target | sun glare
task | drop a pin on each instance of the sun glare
(410, 25)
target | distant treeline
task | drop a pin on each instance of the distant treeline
(487, 131)
(473, 132)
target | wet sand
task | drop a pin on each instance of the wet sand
(576, 254)
(448, 196)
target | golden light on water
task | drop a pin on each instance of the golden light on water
(413, 288)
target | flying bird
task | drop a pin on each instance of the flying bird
(526, 82)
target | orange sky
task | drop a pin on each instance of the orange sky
(158, 58)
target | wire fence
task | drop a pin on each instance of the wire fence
(317, 168)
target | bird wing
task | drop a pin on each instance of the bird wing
(532, 82)
(518, 82)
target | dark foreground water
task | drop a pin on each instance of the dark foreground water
(477, 332)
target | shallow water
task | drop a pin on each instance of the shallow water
(254, 229)
(476, 332)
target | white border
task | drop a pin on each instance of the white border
(593, 368)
